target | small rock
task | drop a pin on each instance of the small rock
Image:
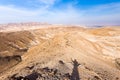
(61, 62)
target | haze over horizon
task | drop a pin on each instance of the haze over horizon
(80, 12)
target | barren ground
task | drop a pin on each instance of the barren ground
(60, 53)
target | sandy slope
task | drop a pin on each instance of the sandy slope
(97, 51)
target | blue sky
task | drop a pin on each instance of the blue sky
(81, 12)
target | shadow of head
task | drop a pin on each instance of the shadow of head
(75, 63)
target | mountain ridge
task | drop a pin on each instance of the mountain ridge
(62, 48)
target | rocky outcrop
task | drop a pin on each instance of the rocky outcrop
(117, 61)
(9, 61)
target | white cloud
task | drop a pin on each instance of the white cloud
(48, 1)
(12, 14)
(108, 14)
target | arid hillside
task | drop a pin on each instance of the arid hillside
(60, 53)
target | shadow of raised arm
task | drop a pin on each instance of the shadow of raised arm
(75, 73)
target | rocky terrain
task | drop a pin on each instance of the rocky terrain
(59, 52)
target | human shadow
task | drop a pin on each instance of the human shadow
(75, 73)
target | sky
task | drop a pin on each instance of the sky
(78, 12)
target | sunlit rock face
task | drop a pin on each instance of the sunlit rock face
(59, 52)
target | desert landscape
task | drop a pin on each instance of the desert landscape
(35, 51)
